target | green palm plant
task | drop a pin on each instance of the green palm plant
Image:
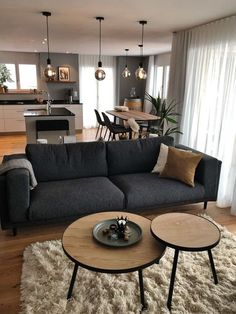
(167, 115)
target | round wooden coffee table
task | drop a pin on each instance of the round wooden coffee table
(80, 246)
(185, 232)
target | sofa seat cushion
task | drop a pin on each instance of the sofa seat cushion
(76, 197)
(146, 190)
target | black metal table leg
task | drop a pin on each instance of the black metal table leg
(72, 281)
(130, 135)
(213, 267)
(140, 275)
(172, 280)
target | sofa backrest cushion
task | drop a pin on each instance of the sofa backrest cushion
(67, 161)
(134, 156)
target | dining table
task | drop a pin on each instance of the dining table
(136, 115)
(139, 116)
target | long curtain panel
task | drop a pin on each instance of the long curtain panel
(100, 95)
(150, 83)
(178, 63)
(209, 106)
(157, 78)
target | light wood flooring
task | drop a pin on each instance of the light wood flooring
(12, 248)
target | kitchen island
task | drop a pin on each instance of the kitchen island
(62, 123)
(12, 113)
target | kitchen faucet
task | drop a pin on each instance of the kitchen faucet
(49, 102)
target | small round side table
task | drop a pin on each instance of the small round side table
(185, 232)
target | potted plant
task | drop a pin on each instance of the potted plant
(5, 76)
(166, 112)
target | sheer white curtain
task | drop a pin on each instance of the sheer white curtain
(209, 109)
(150, 84)
(100, 95)
(178, 62)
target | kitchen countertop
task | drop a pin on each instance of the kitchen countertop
(33, 102)
(44, 113)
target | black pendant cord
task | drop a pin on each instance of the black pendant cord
(141, 45)
(47, 37)
(141, 56)
(126, 63)
(142, 40)
(47, 14)
(100, 19)
(100, 39)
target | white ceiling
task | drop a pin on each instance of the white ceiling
(73, 27)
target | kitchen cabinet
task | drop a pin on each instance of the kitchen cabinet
(77, 110)
(49, 122)
(13, 117)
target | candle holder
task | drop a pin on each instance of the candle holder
(118, 229)
(121, 226)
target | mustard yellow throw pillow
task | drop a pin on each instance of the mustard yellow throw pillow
(181, 165)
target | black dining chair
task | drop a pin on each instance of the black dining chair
(115, 128)
(101, 124)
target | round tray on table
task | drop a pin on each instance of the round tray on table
(98, 234)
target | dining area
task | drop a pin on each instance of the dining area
(122, 123)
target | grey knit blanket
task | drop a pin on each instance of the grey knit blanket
(19, 164)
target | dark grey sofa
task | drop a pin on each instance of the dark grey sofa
(82, 178)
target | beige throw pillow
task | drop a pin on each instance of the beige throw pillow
(181, 165)
(162, 158)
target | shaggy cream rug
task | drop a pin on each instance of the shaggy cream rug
(47, 272)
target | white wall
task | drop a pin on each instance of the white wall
(163, 59)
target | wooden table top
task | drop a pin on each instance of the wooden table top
(80, 246)
(185, 231)
(136, 115)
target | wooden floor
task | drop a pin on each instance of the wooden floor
(12, 248)
(14, 144)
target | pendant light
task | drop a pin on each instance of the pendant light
(140, 73)
(49, 71)
(100, 73)
(126, 72)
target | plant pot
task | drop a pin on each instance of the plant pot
(2, 90)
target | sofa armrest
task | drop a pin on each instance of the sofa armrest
(207, 173)
(13, 156)
(4, 215)
(18, 194)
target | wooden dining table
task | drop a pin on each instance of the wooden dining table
(136, 115)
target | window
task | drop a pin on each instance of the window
(162, 80)
(24, 76)
(27, 76)
(159, 81)
(95, 94)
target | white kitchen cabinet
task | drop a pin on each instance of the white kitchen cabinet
(77, 110)
(13, 117)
